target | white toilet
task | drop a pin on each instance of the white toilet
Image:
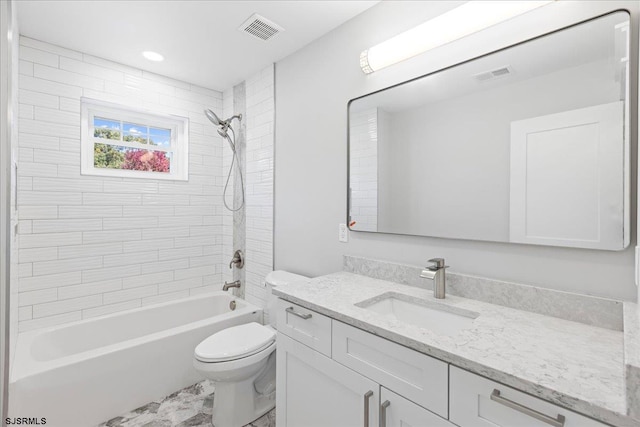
(241, 361)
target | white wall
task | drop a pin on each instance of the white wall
(313, 87)
(95, 245)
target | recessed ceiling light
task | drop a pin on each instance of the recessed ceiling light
(152, 56)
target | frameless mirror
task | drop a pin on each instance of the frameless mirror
(529, 144)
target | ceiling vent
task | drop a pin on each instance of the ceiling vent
(260, 27)
(489, 75)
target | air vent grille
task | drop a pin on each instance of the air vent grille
(492, 74)
(260, 27)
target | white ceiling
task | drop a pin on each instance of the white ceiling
(199, 39)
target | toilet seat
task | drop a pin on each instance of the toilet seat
(225, 370)
(234, 343)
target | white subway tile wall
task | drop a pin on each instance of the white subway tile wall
(363, 159)
(259, 184)
(90, 246)
(227, 216)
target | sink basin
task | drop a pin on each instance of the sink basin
(439, 318)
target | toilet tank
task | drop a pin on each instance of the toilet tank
(273, 279)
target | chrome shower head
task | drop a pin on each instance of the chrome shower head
(213, 117)
(223, 125)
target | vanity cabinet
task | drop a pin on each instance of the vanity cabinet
(333, 374)
(362, 378)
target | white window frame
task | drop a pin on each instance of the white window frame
(179, 146)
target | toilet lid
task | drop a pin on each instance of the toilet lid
(235, 342)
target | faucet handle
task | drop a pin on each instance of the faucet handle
(438, 263)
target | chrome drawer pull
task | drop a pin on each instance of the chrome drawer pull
(300, 315)
(367, 396)
(383, 413)
(555, 422)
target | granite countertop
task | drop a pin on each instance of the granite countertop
(574, 365)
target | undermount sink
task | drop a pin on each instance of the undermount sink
(439, 318)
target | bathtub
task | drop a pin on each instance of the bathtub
(87, 372)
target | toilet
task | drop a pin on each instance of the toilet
(241, 361)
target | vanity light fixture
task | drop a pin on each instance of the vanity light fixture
(455, 24)
(153, 56)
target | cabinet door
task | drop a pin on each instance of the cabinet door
(400, 412)
(313, 390)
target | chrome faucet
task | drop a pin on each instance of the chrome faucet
(238, 259)
(234, 284)
(435, 272)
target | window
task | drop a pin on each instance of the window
(124, 142)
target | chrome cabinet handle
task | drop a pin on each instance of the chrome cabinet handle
(555, 422)
(383, 413)
(295, 313)
(367, 396)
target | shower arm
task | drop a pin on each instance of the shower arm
(227, 123)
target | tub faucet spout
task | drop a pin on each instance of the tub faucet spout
(234, 284)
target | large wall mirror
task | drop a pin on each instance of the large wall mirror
(529, 145)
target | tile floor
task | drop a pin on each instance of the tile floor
(189, 407)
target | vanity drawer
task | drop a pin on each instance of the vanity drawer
(306, 326)
(418, 377)
(471, 405)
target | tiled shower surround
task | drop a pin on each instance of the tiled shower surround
(91, 245)
(258, 179)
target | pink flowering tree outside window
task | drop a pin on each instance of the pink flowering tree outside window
(153, 161)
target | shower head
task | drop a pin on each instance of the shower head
(213, 117)
(223, 125)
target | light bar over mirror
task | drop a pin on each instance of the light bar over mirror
(455, 24)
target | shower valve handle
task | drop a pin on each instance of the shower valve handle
(238, 259)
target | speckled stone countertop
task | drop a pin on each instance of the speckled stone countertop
(574, 365)
(632, 357)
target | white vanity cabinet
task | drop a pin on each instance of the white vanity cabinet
(362, 378)
(330, 374)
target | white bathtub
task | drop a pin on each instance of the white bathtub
(83, 373)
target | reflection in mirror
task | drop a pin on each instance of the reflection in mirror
(527, 145)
